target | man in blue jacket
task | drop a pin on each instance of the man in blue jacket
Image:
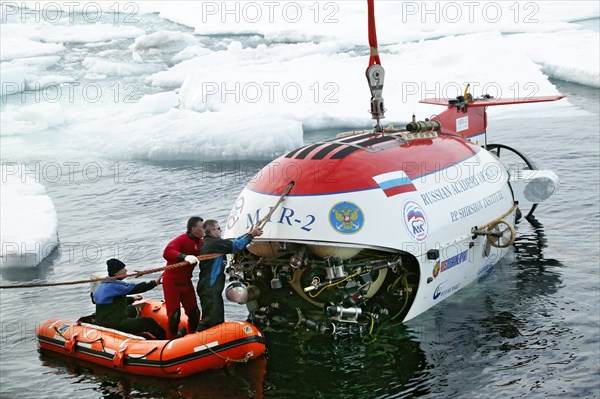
(111, 302)
(212, 280)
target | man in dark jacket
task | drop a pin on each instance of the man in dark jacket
(111, 302)
(177, 283)
(212, 279)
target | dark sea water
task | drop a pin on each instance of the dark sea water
(529, 329)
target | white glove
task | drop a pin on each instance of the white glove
(191, 259)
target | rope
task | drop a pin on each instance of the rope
(143, 356)
(226, 358)
(160, 360)
(136, 274)
(262, 221)
(495, 221)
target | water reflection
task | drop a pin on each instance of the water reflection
(39, 272)
(379, 366)
(236, 381)
(514, 314)
(537, 276)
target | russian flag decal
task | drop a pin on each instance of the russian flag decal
(394, 183)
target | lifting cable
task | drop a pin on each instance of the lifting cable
(375, 72)
(374, 52)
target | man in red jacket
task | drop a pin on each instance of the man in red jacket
(177, 283)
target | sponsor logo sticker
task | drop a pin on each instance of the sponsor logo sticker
(454, 260)
(60, 332)
(415, 220)
(436, 269)
(443, 290)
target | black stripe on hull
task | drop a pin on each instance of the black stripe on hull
(307, 150)
(346, 146)
(326, 150)
(344, 152)
(292, 153)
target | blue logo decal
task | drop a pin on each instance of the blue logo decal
(415, 220)
(346, 217)
(438, 292)
(441, 290)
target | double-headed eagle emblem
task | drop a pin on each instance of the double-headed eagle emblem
(347, 216)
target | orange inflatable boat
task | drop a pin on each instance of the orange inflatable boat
(232, 341)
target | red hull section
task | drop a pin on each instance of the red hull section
(351, 163)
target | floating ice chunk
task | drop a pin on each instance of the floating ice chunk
(88, 33)
(28, 220)
(563, 60)
(19, 41)
(191, 52)
(163, 41)
(102, 67)
(33, 118)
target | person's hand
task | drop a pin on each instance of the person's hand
(137, 297)
(256, 231)
(158, 280)
(191, 259)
